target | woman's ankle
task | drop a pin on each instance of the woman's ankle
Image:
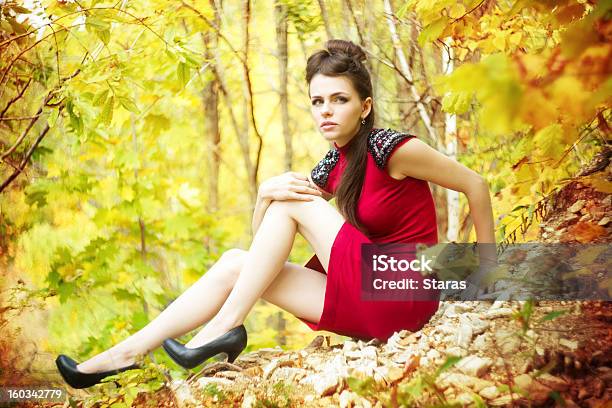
(111, 360)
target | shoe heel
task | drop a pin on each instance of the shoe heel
(232, 355)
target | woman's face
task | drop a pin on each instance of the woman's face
(335, 100)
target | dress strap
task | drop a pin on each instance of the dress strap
(321, 171)
(381, 143)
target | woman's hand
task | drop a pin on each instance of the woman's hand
(288, 186)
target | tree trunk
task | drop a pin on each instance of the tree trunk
(249, 111)
(210, 102)
(325, 19)
(450, 133)
(280, 11)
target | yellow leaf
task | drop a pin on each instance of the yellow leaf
(53, 170)
(598, 183)
(456, 10)
(549, 141)
(499, 42)
(515, 39)
(127, 193)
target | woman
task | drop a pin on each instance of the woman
(380, 184)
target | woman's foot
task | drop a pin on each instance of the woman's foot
(210, 332)
(76, 379)
(231, 343)
(105, 361)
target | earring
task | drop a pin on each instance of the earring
(363, 121)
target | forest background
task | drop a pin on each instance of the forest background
(133, 136)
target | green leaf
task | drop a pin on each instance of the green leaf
(182, 73)
(106, 116)
(450, 361)
(553, 315)
(65, 289)
(128, 103)
(52, 119)
(433, 31)
(100, 98)
(104, 35)
(96, 23)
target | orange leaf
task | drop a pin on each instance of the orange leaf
(585, 232)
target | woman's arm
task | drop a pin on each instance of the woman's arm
(416, 159)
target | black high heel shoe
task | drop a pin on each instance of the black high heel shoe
(231, 343)
(76, 379)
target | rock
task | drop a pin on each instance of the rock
(507, 341)
(433, 354)
(479, 326)
(577, 206)
(369, 353)
(347, 399)
(474, 366)
(316, 342)
(489, 392)
(604, 221)
(394, 374)
(570, 344)
(231, 375)
(288, 374)
(480, 342)
(248, 399)
(274, 364)
(495, 313)
(555, 383)
(505, 400)
(464, 399)
(463, 307)
(323, 384)
(463, 337)
(446, 380)
(349, 346)
(450, 311)
(402, 357)
(536, 392)
(456, 351)
(182, 393)
(204, 381)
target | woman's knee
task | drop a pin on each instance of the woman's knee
(292, 207)
(230, 264)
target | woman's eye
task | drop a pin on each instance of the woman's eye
(341, 99)
(315, 101)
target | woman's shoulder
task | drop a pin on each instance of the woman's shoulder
(320, 173)
(382, 142)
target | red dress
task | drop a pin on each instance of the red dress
(391, 210)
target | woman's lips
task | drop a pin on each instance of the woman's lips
(328, 127)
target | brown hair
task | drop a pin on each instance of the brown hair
(345, 58)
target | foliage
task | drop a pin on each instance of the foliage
(415, 388)
(532, 84)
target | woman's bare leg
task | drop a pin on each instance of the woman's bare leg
(316, 220)
(188, 311)
(198, 304)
